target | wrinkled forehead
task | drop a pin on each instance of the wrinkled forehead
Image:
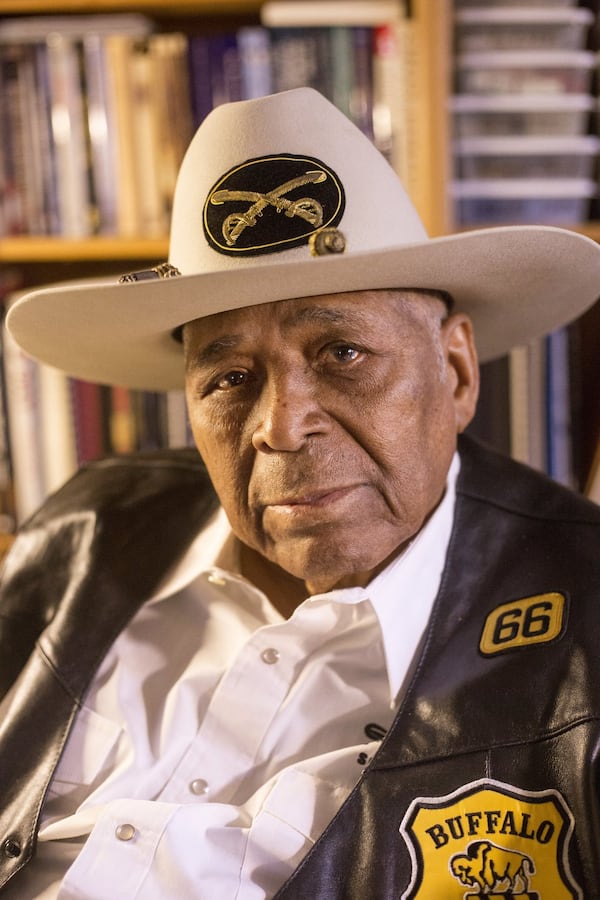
(351, 308)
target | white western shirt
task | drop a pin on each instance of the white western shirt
(219, 739)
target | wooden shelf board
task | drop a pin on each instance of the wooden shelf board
(191, 7)
(590, 229)
(60, 250)
(48, 250)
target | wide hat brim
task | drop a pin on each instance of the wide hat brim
(255, 179)
(510, 281)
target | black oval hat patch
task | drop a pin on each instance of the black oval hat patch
(272, 203)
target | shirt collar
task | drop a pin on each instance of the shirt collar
(214, 546)
(402, 595)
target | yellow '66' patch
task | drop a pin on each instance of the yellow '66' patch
(490, 839)
(529, 620)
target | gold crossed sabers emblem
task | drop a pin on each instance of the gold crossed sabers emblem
(308, 209)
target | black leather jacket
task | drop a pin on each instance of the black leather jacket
(487, 782)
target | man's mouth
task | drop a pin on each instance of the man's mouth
(317, 499)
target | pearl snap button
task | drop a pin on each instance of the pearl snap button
(216, 579)
(270, 656)
(11, 848)
(199, 786)
(125, 832)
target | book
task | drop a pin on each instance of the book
(88, 416)
(15, 218)
(118, 48)
(9, 283)
(57, 445)
(215, 73)
(527, 403)
(21, 377)
(388, 100)
(301, 56)
(558, 406)
(122, 430)
(329, 13)
(199, 78)
(254, 49)
(173, 112)
(361, 96)
(43, 153)
(100, 127)
(63, 60)
(36, 28)
(225, 69)
(177, 420)
(143, 112)
(151, 419)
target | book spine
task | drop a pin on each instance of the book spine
(199, 77)
(101, 136)
(8, 282)
(119, 89)
(225, 69)
(389, 126)
(254, 47)
(558, 404)
(14, 205)
(143, 113)
(21, 376)
(123, 438)
(172, 114)
(42, 111)
(178, 427)
(57, 432)
(88, 420)
(67, 117)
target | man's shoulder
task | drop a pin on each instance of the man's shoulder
(144, 503)
(128, 516)
(492, 478)
(120, 482)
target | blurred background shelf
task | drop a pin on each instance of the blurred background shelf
(429, 85)
(19, 250)
(160, 7)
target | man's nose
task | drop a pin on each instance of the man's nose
(289, 413)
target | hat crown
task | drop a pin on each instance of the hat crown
(260, 177)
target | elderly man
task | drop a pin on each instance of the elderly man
(343, 653)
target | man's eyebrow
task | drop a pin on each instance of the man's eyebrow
(213, 350)
(327, 315)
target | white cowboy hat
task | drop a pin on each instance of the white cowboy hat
(283, 197)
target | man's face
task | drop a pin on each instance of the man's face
(328, 423)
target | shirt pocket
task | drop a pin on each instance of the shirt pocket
(293, 815)
(89, 750)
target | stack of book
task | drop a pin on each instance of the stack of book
(97, 111)
(95, 119)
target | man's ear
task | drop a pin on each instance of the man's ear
(463, 366)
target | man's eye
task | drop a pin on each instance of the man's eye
(231, 380)
(345, 353)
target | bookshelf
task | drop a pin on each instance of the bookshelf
(27, 260)
(424, 44)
